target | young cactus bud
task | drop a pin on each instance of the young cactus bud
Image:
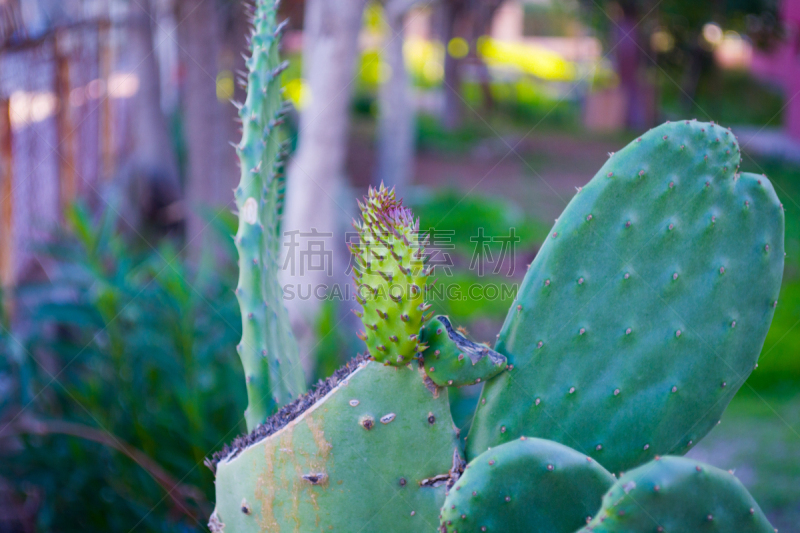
(391, 278)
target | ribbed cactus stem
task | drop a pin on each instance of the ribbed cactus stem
(268, 351)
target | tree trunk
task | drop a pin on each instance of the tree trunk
(452, 107)
(396, 119)
(209, 180)
(153, 186)
(316, 174)
(630, 64)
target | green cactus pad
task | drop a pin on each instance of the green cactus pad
(376, 451)
(453, 360)
(526, 486)
(647, 306)
(678, 495)
(391, 278)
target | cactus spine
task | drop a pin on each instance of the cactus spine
(391, 278)
(268, 351)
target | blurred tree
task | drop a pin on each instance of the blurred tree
(643, 34)
(316, 174)
(207, 113)
(396, 108)
(152, 183)
(468, 20)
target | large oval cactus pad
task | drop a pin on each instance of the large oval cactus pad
(526, 486)
(647, 306)
(374, 454)
(678, 495)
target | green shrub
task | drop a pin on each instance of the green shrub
(120, 347)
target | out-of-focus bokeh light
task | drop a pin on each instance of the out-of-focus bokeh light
(29, 107)
(225, 85)
(298, 92)
(96, 89)
(528, 58)
(662, 41)
(458, 47)
(734, 52)
(123, 84)
(424, 59)
(712, 33)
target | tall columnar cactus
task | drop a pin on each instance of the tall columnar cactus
(268, 351)
(678, 495)
(647, 306)
(391, 277)
(523, 486)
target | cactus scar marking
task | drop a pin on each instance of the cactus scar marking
(250, 211)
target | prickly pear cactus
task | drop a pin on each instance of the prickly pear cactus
(268, 351)
(678, 495)
(647, 306)
(526, 486)
(391, 278)
(452, 360)
(372, 451)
